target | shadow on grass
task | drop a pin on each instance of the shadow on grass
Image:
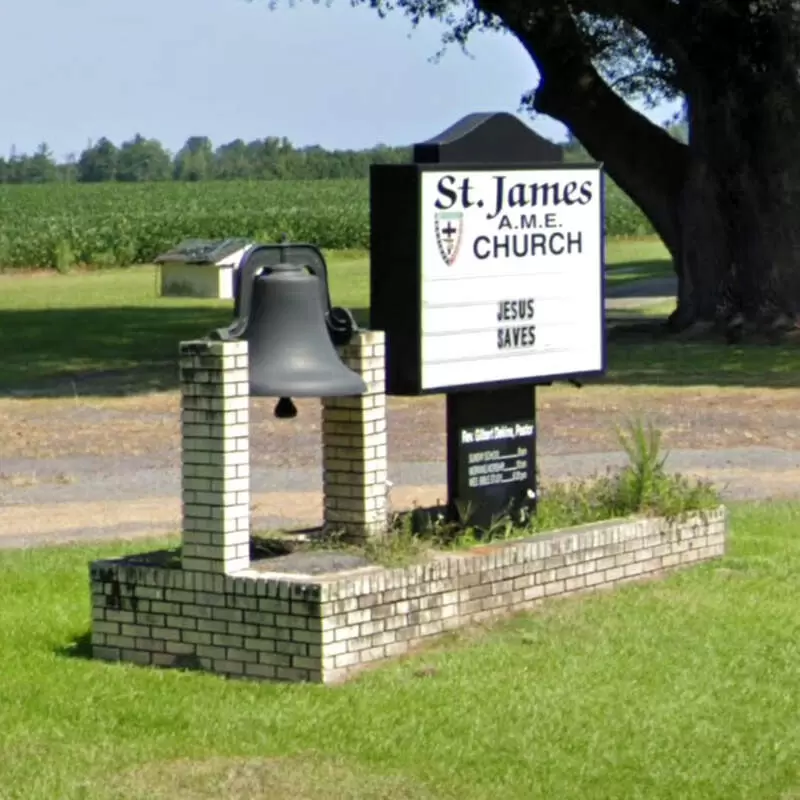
(641, 353)
(640, 279)
(124, 350)
(80, 647)
(102, 351)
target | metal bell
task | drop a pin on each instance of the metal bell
(291, 351)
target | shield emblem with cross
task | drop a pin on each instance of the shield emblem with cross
(449, 227)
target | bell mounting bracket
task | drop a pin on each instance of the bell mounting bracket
(340, 321)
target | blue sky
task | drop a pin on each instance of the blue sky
(75, 70)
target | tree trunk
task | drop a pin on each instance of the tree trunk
(703, 257)
(740, 206)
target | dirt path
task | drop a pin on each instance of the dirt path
(741, 474)
(73, 432)
(105, 467)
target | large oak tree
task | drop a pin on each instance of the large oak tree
(727, 203)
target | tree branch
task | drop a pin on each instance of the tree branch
(657, 19)
(644, 160)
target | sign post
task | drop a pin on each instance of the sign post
(487, 278)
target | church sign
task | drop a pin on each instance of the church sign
(511, 278)
(486, 275)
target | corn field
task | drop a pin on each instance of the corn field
(113, 224)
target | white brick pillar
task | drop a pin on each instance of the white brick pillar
(215, 403)
(354, 444)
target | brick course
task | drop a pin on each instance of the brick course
(274, 626)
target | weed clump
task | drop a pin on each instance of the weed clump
(643, 488)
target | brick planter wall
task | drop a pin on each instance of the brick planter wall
(149, 610)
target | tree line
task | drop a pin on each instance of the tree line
(140, 159)
(273, 158)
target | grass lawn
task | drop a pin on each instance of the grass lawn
(115, 320)
(683, 688)
(703, 363)
(629, 260)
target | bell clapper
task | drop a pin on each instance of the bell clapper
(285, 408)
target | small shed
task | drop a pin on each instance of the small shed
(202, 268)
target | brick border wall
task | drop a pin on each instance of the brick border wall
(325, 628)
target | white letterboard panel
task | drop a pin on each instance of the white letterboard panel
(511, 275)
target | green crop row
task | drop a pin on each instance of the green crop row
(59, 225)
